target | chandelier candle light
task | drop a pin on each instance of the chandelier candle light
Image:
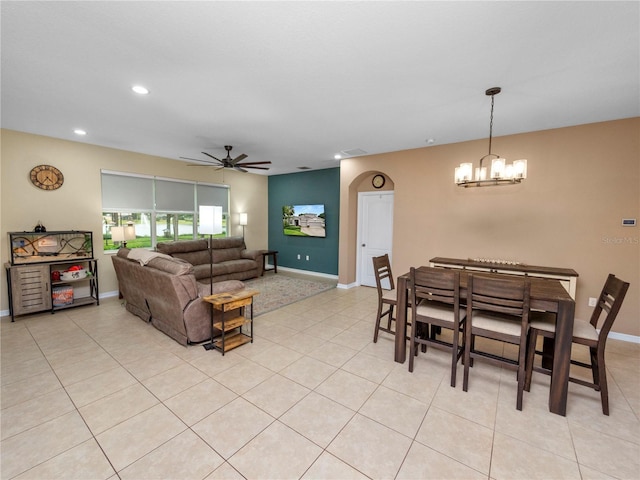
(501, 173)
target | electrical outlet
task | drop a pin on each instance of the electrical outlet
(593, 301)
(298, 256)
(307, 258)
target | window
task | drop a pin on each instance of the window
(160, 209)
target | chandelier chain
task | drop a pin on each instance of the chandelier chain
(491, 124)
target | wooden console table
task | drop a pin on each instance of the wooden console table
(226, 302)
(567, 277)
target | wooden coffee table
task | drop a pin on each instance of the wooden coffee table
(232, 333)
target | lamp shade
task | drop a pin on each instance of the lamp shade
(210, 219)
(243, 219)
(122, 234)
(117, 234)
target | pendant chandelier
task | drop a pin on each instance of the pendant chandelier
(501, 173)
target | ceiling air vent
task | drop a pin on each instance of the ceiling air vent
(304, 168)
(354, 152)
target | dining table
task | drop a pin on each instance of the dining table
(546, 295)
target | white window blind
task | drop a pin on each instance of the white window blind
(139, 193)
(124, 191)
(213, 195)
(174, 196)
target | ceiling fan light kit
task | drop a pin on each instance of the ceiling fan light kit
(228, 162)
(501, 173)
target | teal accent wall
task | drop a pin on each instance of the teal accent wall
(304, 188)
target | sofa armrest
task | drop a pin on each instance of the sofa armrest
(255, 255)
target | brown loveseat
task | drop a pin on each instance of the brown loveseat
(165, 292)
(231, 259)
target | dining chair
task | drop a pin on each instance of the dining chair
(435, 303)
(497, 309)
(387, 297)
(584, 333)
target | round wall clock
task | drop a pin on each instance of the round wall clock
(378, 181)
(46, 177)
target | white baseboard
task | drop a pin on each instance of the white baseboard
(306, 272)
(624, 337)
(115, 293)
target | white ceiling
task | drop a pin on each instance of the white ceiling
(296, 82)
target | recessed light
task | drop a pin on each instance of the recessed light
(337, 156)
(79, 131)
(430, 141)
(140, 89)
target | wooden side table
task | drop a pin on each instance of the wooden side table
(274, 255)
(226, 302)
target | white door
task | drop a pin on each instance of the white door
(375, 232)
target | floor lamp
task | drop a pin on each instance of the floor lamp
(243, 222)
(210, 224)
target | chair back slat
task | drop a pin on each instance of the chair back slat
(610, 301)
(434, 284)
(382, 270)
(508, 296)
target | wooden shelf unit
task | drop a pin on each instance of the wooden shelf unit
(232, 334)
(34, 256)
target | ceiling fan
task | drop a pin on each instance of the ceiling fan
(228, 162)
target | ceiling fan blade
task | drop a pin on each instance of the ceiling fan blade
(254, 163)
(217, 167)
(211, 156)
(201, 163)
(250, 166)
(239, 169)
(238, 159)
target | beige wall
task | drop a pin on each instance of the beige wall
(77, 204)
(582, 181)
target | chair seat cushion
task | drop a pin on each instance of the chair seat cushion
(544, 321)
(503, 324)
(547, 322)
(390, 295)
(440, 311)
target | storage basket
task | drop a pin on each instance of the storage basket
(73, 274)
(62, 295)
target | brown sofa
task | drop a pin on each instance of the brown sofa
(231, 259)
(165, 292)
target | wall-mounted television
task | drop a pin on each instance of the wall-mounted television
(304, 220)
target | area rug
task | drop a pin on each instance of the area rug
(277, 290)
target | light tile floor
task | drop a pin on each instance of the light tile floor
(96, 393)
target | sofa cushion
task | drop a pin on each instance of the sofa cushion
(194, 258)
(174, 266)
(182, 246)
(179, 247)
(196, 252)
(226, 254)
(228, 242)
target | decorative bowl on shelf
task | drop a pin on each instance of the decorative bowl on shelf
(73, 275)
